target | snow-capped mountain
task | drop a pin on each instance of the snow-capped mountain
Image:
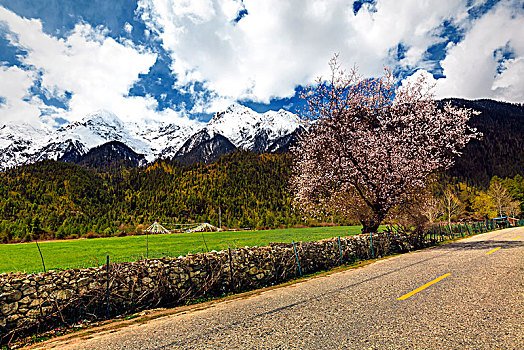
(235, 127)
(248, 130)
(18, 143)
(256, 131)
(99, 128)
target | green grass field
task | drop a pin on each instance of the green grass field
(93, 252)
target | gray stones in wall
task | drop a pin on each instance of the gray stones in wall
(41, 300)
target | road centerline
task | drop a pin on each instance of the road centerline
(492, 251)
(421, 288)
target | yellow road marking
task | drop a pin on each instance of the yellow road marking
(413, 292)
(514, 239)
(492, 251)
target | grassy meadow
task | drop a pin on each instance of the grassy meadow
(92, 252)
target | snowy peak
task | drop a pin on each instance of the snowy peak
(235, 110)
(94, 129)
(235, 127)
(248, 129)
(17, 143)
(102, 118)
(20, 132)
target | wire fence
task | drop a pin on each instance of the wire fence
(120, 288)
(446, 231)
(438, 232)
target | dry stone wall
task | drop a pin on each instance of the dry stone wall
(36, 302)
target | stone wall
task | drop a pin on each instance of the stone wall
(36, 302)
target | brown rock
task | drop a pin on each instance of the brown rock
(62, 294)
(34, 313)
(25, 300)
(11, 296)
(8, 309)
(83, 282)
(29, 291)
(36, 302)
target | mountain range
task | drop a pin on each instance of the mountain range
(101, 140)
(104, 134)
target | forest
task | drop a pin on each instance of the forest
(57, 200)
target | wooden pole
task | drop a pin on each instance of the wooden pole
(41, 256)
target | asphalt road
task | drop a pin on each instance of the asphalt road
(476, 301)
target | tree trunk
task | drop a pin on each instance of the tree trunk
(372, 221)
(369, 227)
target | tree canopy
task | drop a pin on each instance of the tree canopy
(372, 143)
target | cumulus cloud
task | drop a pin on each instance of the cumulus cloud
(281, 44)
(128, 28)
(227, 50)
(489, 62)
(87, 67)
(17, 104)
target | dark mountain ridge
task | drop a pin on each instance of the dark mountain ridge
(500, 151)
(111, 155)
(204, 148)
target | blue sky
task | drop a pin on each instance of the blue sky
(176, 60)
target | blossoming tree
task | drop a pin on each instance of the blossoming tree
(372, 143)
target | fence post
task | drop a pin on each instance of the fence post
(340, 250)
(372, 252)
(41, 256)
(107, 289)
(231, 270)
(296, 256)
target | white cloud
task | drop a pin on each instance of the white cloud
(281, 44)
(277, 46)
(471, 66)
(97, 70)
(128, 28)
(18, 104)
